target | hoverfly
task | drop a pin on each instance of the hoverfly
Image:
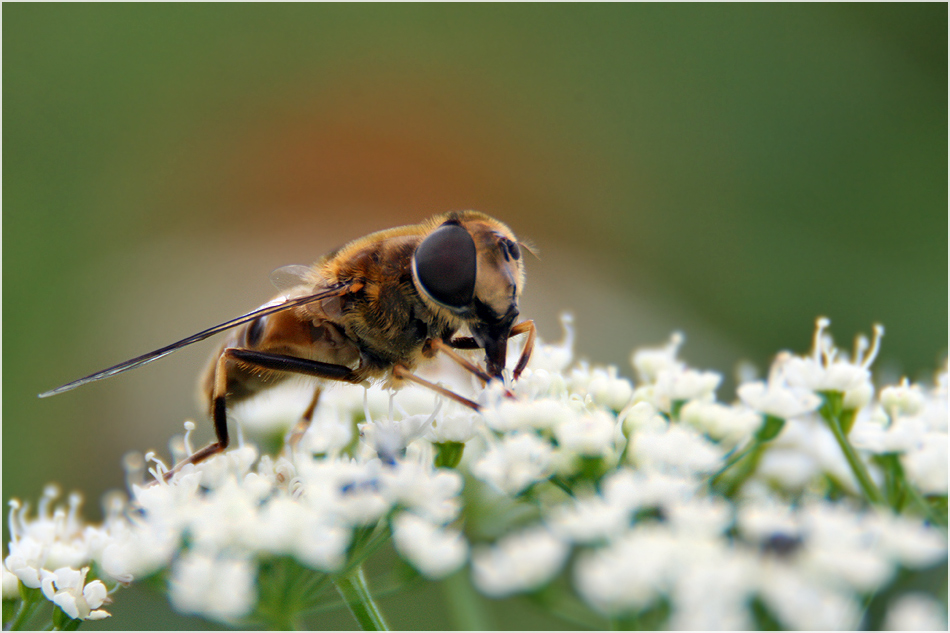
(372, 310)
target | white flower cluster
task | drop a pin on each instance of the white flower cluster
(573, 472)
(52, 552)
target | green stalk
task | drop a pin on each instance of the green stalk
(369, 542)
(894, 482)
(355, 592)
(746, 467)
(733, 459)
(30, 600)
(770, 428)
(467, 610)
(928, 510)
(286, 590)
(560, 483)
(899, 490)
(837, 420)
(559, 600)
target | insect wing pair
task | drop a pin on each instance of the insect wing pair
(374, 309)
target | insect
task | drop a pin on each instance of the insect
(374, 309)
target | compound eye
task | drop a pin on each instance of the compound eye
(446, 265)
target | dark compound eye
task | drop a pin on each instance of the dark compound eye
(446, 265)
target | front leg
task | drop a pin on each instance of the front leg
(467, 342)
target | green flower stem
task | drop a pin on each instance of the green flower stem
(838, 420)
(367, 543)
(558, 600)
(355, 592)
(894, 482)
(9, 610)
(899, 491)
(466, 606)
(311, 590)
(286, 591)
(750, 450)
(735, 457)
(770, 428)
(30, 601)
(325, 605)
(928, 510)
(563, 485)
(745, 469)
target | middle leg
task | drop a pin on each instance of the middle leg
(467, 342)
(295, 434)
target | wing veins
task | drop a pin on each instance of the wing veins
(138, 361)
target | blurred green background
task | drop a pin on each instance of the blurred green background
(732, 171)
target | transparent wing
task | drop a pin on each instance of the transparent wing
(287, 278)
(138, 361)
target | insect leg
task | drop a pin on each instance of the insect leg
(442, 346)
(277, 362)
(296, 433)
(219, 416)
(401, 371)
(467, 342)
(524, 326)
(445, 348)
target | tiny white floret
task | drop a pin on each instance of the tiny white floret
(436, 552)
(519, 562)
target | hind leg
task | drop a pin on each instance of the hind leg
(262, 360)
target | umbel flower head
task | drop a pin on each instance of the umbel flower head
(611, 503)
